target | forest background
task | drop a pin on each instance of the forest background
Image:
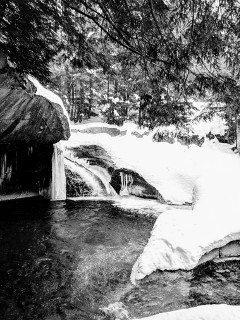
(141, 60)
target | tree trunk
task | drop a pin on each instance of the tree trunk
(3, 6)
(238, 133)
(90, 97)
(115, 88)
(3, 60)
(108, 88)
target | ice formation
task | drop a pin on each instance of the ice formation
(58, 182)
(126, 182)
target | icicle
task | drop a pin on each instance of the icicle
(58, 183)
(8, 173)
(126, 183)
(3, 168)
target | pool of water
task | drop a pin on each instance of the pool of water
(68, 260)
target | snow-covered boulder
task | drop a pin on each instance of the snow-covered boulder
(29, 112)
(181, 237)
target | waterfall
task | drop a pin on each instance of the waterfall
(57, 188)
(105, 177)
(88, 175)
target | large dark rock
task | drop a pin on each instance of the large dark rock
(230, 251)
(137, 185)
(27, 117)
(29, 126)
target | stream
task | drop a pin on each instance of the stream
(69, 260)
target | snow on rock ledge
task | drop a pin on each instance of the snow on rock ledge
(29, 112)
(181, 237)
(205, 312)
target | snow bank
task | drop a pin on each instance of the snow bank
(155, 162)
(49, 95)
(181, 237)
(216, 126)
(171, 169)
(206, 312)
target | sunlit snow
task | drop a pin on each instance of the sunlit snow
(205, 312)
(48, 94)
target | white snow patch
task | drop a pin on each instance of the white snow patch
(49, 95)
(143, 206)
(205, 312)
(216, 125)
(180, 237)
(171, 169)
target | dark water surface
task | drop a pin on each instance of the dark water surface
(62, 260)
(66, 260)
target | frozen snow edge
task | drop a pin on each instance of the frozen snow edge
(204, 312)
(179, 240)
(49, 95)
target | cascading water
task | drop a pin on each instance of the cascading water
(105, 177)
(57, 190)
(91, 179)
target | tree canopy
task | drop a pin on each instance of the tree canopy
(180, 48)
(187, 43)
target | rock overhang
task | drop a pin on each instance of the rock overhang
(28, 116)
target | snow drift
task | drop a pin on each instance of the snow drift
(206, 312)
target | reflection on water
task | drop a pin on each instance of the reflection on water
(66, 260)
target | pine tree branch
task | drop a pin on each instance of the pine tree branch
(128, 46)
(95, 20)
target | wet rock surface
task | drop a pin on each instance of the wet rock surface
(164, 291)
